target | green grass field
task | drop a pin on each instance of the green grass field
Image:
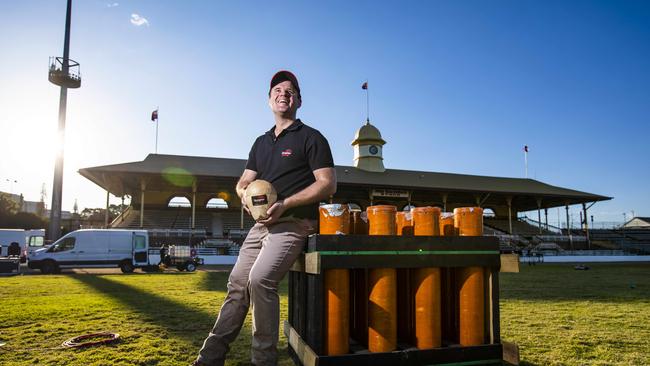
(558, 316)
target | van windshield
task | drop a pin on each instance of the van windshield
(36, 241)
(63, 245)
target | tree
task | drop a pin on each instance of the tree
(10, 217)
(97, 214)
(8, 205)
(115, 210)
(92, 214)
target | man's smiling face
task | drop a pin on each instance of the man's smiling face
(284, 99)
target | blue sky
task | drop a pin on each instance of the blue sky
(455, 86)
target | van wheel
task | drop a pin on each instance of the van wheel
(126, 266)
(190, 267)
(49, 267)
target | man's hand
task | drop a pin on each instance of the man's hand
(246, 178)
(244, 205)
(274, 212)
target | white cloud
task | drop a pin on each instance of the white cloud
(112, 5)
(137, 20)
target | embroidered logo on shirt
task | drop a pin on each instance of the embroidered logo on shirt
(287, 153)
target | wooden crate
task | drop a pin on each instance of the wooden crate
(305, 326)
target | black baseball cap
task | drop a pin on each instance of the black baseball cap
(284, 75)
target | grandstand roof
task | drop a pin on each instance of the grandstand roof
(175, 173)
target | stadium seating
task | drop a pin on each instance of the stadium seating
(180, 218)
(519, 227)
(635, 240)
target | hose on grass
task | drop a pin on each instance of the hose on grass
(92, 339)
(86, 340)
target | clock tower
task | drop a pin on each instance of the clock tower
(368, 146)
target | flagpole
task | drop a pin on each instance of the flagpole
(367, 102)
(157, 113)
(526, 161)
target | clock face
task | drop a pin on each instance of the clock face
(373, 149)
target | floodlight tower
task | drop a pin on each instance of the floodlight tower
(64, 73)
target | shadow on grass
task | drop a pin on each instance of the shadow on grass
(182, 321)
(218, 281)
(214, 281)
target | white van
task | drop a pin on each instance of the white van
(28, 240)
(93, 248)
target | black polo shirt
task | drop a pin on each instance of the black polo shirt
(288, 162)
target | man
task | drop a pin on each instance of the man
(163, 255)
(296, 159)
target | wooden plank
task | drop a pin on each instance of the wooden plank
(397, 243)
(489, 305)
(510, 263)
(312, 263)
(292, 296)
(494, 299)
(511, 353)
(307, 262)
(406, 261)
(304, 353)
(297, 301)
(299, 264)
(294, 356)
(475, 355)
(313, 331)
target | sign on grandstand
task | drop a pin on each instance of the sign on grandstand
(394, 193)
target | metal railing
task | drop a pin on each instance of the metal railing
(119, 219)
(561, 237)
(536, 223)
(56, 67)
(177, 232)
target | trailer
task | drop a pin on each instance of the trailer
(183, 257)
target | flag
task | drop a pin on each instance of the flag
(154, 115)
(525, 148)
(364, 86)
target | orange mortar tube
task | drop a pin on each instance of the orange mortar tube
(468, 221)
(404, 223)
(447, 224)
(335, 219)
(426, 285)
(382, 297)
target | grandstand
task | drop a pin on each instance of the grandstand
(635, 240)
(214, 222)
(156, 182)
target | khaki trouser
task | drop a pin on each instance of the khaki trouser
(264, 258)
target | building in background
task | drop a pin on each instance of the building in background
(35, 207)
